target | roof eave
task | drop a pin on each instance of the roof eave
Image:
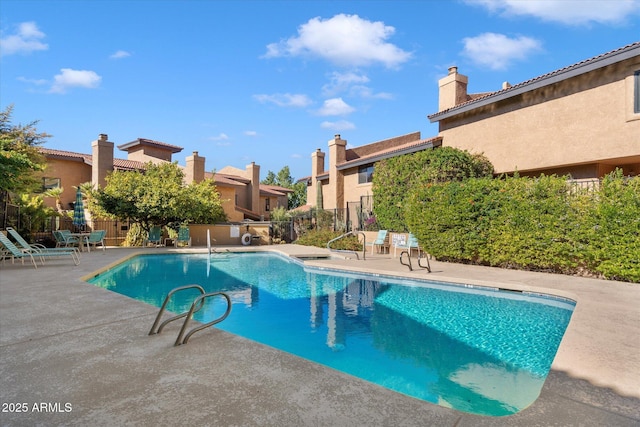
(373, 159)
(555, 77)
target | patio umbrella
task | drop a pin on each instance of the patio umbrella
(78, 211)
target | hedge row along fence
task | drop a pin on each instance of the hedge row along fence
(540, 224)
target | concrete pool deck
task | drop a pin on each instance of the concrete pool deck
(77, 354)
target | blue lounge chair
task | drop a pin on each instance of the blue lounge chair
(96, 238)
(410, 245)
(155, 236)
(14, 252)
(183, 237)
(381, 241)
(65, 239)
(25, 246)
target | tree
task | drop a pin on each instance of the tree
(19, 155)
(158, 196)
(284, 179)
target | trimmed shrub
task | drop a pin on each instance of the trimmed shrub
(395, 177)
(320, 238)
(535, 224)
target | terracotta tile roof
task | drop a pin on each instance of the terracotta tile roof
(123, 164)
(150, 142)
(274, 190)
(409, 147)
(225, 179)
(66, 155)
(549, 78)
(248, 214)
(118, 164)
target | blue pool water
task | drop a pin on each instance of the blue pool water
(477, 350)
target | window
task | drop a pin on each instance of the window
(267, 204)
(636, 92)
(365, 174)
(50, 183)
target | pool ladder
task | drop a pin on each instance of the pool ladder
(197, 304)
(427, 267)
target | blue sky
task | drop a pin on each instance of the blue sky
(272, 81)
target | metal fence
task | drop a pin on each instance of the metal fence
(357, 216)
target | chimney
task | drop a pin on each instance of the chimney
(317, 168)
(253, 174)
(453, 89)
(194, 172)
(337, 155)
(101, 161)
(317, 163)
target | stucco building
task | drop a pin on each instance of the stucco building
(243, 195)
(582, 120)
(345, 181)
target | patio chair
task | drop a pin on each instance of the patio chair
(65, 239)
(14, 252)
(184, 237)
(96, 238)
(155, 237)
(25, 246)
(381, 241)
(410, 245)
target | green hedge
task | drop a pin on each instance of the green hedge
(320, 238)
(395, 177)
(535, 224)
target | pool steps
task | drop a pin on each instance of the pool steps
(197, 304)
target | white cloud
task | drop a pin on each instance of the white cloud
(284, 99)
(497, 51)
(352, 83)
(335, 107)
(26, 40)
(120, 54)
(339, 125)
(341, 82)
(69, 78)
(367, 92)
(250, 133)
(219, 137)
(345, 40)
(37, 82)
(570, 12)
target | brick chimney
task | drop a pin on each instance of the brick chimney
(102, 160)
(453, 89)
(194, 172)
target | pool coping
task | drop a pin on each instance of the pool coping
(593, 378)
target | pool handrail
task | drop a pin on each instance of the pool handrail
(153, 330)
(193, 309)
(354, 233)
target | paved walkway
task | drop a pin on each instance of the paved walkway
(76, 354)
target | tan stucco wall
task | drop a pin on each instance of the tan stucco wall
(227, 196)
(581, 120)
(71, 173)
(149, 154)
(352, 190)
(222, 234)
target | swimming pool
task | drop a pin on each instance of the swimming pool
(478, 350)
